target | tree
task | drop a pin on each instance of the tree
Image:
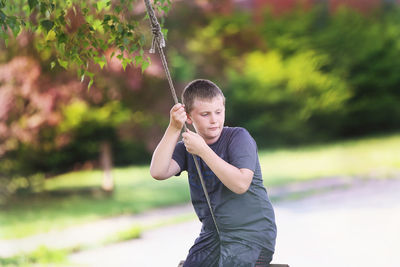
(81, 32)
(78, 36)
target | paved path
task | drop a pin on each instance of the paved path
(91, 234)
(355, 226)
(354, 223)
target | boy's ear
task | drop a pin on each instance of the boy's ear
(189, 119)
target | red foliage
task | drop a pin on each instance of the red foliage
(361, 5)
(29, 101)
(281, 6)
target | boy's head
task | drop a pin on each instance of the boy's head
(205, 106)
(200, 90)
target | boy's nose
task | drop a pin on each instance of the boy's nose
(213, 118)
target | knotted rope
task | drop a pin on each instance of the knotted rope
(159, 41)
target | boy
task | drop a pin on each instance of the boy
(229, 163)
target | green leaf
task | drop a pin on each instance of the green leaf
(81, 74)
(4, 36)
(126, 41)
(2, 16)
(43, 8)
(16, 29)
(62, 38)
(138, 60)
(165, 33)
(118, 9)
(90, 74)
(63, 63)
(52, 64)
(101, 61)
(97, 25)
(78, 60)
(145, 64)
(47, 24)
(32, 4)
(101, 64)
(124, 63)
(103, 45)
(102, 4)
(165, 9)
(120, 28)
(90, 84)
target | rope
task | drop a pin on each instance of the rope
(159, 41)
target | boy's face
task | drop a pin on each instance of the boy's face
(208, 117)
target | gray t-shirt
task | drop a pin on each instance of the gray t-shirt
(246, 218)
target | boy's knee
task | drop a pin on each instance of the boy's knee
(239, 255)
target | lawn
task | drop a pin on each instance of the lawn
(69, 199)
(73, 198)
(376, 157)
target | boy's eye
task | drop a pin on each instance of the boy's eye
(204, 114)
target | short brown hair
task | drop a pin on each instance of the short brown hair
(200, 89)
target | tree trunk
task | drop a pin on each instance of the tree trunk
(106, 164)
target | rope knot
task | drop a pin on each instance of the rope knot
(158, 36)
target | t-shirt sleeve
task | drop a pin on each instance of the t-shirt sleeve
(242, 150)
(179, 156)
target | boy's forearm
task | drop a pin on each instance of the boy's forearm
(162, 156)
(237, 180)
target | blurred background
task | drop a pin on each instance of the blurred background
(316, 83)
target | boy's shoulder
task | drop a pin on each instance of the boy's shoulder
(237, 132)
(236, 136)
(235, 129)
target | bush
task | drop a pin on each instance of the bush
(360, 49)
(277, 98)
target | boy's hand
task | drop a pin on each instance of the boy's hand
(194, 143)
(178, 116)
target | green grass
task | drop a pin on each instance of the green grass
(136, 191)
(42, 256)
(377, 157)
(132, 232)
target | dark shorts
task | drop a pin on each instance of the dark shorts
(209, 251)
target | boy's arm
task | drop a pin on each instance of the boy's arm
(162, 165)
(237, 180)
